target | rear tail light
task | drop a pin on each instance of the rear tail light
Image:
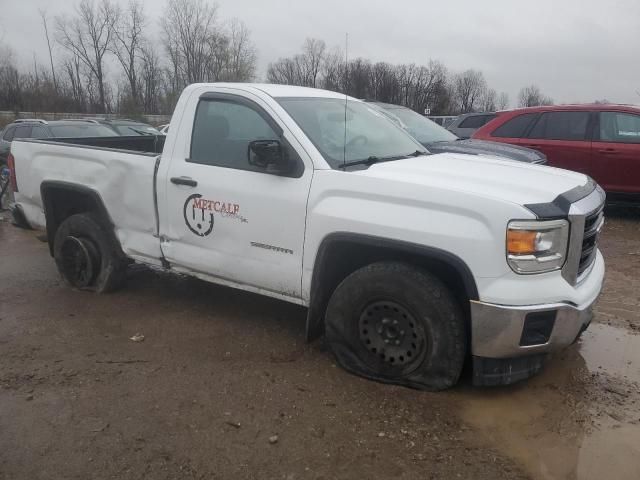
(11, 163)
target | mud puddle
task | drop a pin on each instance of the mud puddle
(578, 420)
(613, 351)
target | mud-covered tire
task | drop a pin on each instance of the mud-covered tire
(397, 324)
(85, 236)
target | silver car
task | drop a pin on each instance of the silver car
(466, 124)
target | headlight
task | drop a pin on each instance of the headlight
(537, 247)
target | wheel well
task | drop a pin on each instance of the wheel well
(62, 200)
(343, 254)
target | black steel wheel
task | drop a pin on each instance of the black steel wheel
(87, 254)
(391, 332)
(80, 261)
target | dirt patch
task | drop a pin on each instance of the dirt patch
(219, 375)
(620, 245)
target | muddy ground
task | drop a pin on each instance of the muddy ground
(222, 374)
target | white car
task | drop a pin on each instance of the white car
(408, 262)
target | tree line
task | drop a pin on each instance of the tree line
(431, 87)
(101, 60)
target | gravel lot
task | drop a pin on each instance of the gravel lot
(224, 386)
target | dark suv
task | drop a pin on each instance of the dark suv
(53, 129)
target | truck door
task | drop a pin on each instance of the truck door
(225, 218)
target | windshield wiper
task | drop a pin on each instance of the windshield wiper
(418, 153)
(374, 159)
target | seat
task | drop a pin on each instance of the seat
(210, 145)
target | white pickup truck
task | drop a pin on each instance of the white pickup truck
(409, 263)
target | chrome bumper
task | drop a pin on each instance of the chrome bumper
(497, 330)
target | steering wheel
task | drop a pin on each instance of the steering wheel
(358, 139)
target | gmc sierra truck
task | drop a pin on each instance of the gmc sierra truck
(409, 263)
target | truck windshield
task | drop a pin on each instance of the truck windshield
(369, 134)
(420, 128)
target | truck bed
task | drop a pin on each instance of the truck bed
(110, 167)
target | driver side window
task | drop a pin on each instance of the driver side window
(222, 132)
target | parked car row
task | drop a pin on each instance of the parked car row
(439, 140)
(73, 128)
(602, 141)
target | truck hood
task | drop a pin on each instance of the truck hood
(483, 147)
(516, 182)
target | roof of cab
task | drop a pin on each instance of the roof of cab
(277, 91)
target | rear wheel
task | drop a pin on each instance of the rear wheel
(86, 255)
(397, 324)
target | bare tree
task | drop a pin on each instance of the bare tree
(10, 80)
(242, 53)
(151, 73)
(333, 70)
(469, 87)
(73, 67)
(126, 44)
(302, 69)
(43, 16)
(490, 100)
(87, 35)
(313, 53)
(189, 32)
(503, 101)
(531, 96)
(285, 71)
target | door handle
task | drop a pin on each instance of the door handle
(532, 146)
(189, 182)
(608, 151)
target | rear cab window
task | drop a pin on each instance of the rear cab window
(515, 127)
(619, 127)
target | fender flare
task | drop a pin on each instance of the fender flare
(52, 223)
(319, 297)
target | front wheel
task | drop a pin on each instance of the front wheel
(86, 255)
(397, 324)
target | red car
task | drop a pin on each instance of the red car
(602, 141)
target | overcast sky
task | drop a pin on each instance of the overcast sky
(575, 50)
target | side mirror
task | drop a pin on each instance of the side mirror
(268, 155)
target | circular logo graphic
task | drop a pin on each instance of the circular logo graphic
(197, 216)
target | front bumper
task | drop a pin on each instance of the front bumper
(500, 331)
(511, 343)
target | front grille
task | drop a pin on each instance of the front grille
(592, 226)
